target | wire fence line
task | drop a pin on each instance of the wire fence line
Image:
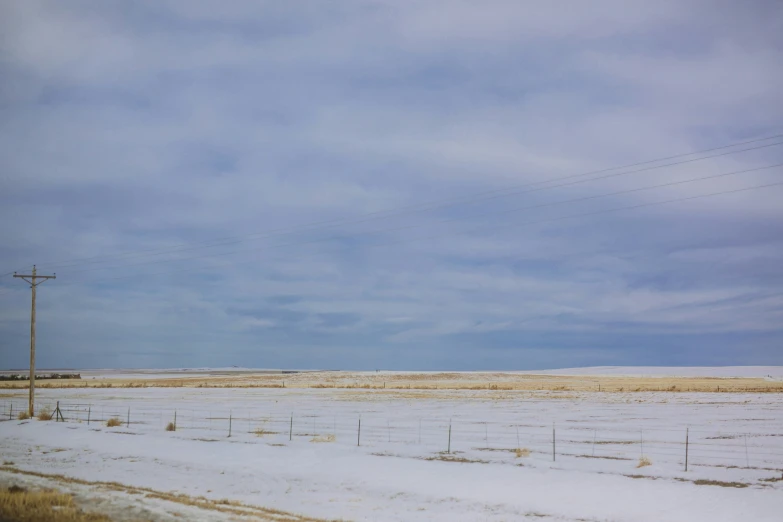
(457, 434)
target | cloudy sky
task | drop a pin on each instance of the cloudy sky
(392, 184)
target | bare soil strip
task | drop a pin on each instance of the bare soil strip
(224, 506)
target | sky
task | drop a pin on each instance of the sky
(392, 184)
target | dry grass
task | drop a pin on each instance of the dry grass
(171, 427)
(113, 422)
(45, 414)
(23, 415)
(453, 458)
(21, 505)
(478, 381)
(261, 432)
(323, 438)
(521, 452)
(644, 461)
(702, 482)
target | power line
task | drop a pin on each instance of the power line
(508, 225)
(479, 197)
(409, 227)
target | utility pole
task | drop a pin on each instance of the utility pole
(34, 279)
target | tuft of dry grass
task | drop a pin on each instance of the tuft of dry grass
(113, 422)
(171, 427)
(522, 452)
(644, 461)
(21, 505)
(45, 414)
(703, 482)
(261, 432)
(23, 415)
(323, 438)
(454, 458)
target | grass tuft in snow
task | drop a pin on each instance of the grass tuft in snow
(114, 421)
(45, 414)
(644, 461)
(23, 415)
(171, 427)
(323, 438)
(522, 452)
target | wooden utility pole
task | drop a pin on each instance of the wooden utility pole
(34, 279)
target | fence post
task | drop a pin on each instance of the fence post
(449, 449)
(175, 420)
(229, 423)
(686, 448)
(553, 442)
(641, 441)
(594, 436)
(291, 428)
(517, 427)
(127, 424)
(89, 410)
(11, 413)
(359, 432)
(747, 462)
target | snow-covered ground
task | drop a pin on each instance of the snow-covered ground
(422, 455)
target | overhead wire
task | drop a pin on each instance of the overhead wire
(372, 216)
(508, 225)
(437, 222)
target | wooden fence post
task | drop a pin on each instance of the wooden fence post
(686, 448)
(359, 432)
(229, 423)
(747, 461)
(449, 449)
(291, 428)
(89, 410)
(127, 424)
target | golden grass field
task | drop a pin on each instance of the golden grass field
(22, 505)
(422, 381)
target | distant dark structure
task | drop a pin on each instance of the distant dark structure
(19, 377)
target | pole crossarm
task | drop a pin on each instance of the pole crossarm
(34, 277)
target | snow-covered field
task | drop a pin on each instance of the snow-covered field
(296, 450)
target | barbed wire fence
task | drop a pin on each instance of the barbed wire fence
(484, 440)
